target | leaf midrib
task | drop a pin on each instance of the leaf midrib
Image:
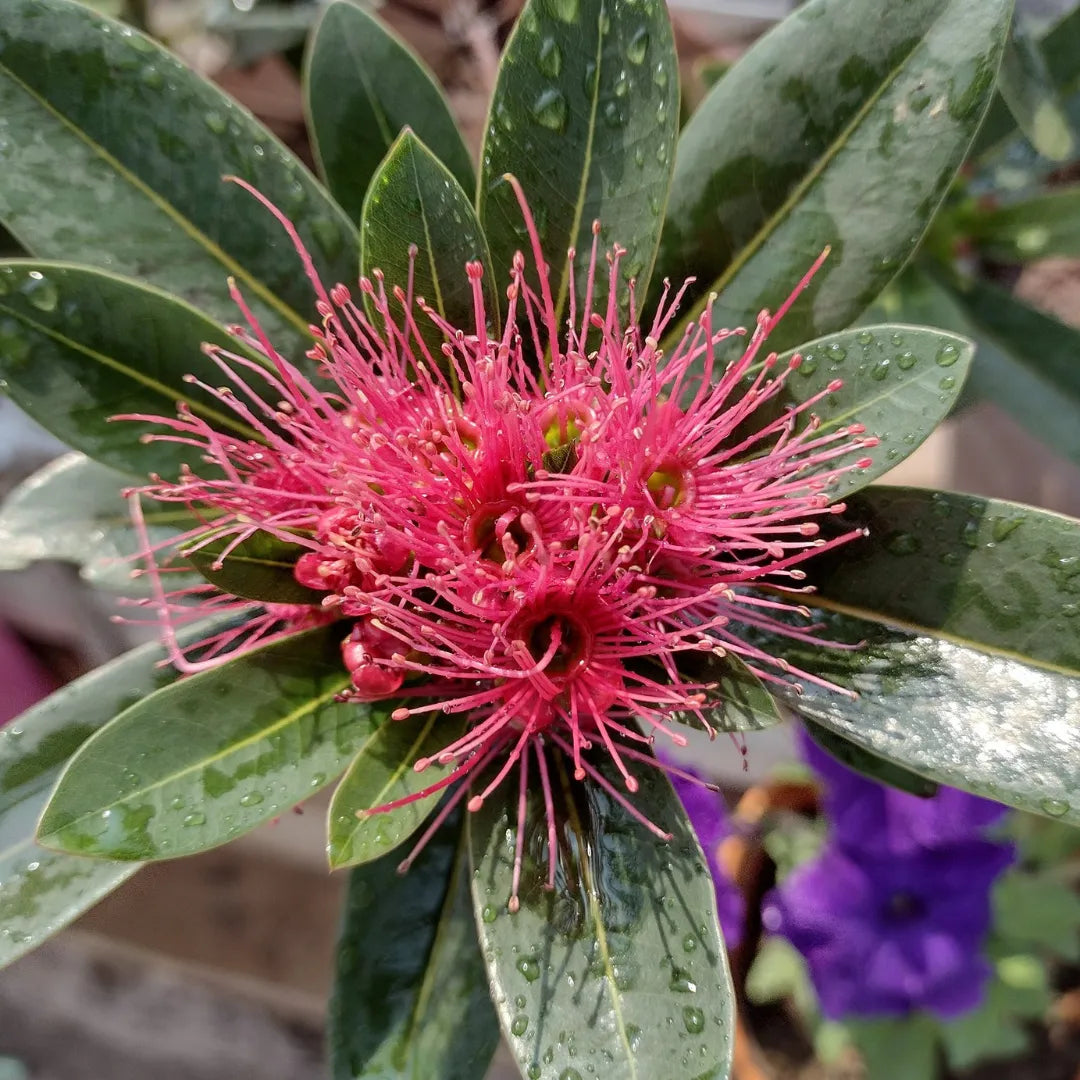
(575, 822)
(579, 204)
(170, 394)
(393, 777)
(234, 268)
(800, 190)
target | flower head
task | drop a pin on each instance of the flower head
(885, 936)
(530, 529)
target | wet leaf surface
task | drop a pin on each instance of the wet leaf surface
(621, 969)
(585, 115)
(383, 772)
(211, 757)
(79, 346)
(362, 85)
(410, 998)
(843, 126)
(144, 197)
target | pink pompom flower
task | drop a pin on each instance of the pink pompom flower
(530, 528)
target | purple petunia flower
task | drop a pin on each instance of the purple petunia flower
(708, 816)
(885, 935)
(867, 816)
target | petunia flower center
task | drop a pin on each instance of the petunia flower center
(905, 907)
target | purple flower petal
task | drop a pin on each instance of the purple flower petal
(866, 815)
(887, 934)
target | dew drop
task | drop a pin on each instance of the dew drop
(567, 10)
(808, 366)
(693, 1020)
(904, 544)
(905, 361)
(40, 291)
(529, 968)
(622, 84)
(1054, 807)
(660, 76)
(519, 1025)
(519, 1001)
(897, 339)
(252, 798)
(689, 943)
(1002, 528)
(969, 534)
(947, 355)
(489, 915)
(837, 353)
(534, 1072)
(639, 157)
(216, 122)
(947, 382)
(638, 46)
(152, 77)
(570, 1074)
(549, 109)
(681, 982)
(613, 115)
(549, 60)
(662, 153)
(318, 780)
(880, 371)
(865, 338)
(195, 818)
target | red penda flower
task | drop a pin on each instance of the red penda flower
(529, 529)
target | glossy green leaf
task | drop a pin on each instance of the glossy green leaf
(413, 200)
(114, 154)
(844, 126)
(72, 511)
(877, 768)
(1013, 380)
(258, 568)
(624, 956)
(995, 575)
(1026, 86)
(1059, 47)
(956, 715)
(79, 346)
(585, 115)
(362, 85)
(739, 702)
(42, 891)
(1046, 224)
(899, 382)
(381, 773)
(410, 997)
(211, 757)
